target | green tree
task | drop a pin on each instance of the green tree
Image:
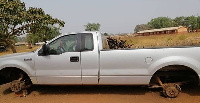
(161, 22)
(106, 34)
(92, 27)
(1, 36)
(192, 23)
(198, 22)
(45, 33)
(142, 27)
(16, 20)
(180, 21)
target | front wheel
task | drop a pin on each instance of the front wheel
(20, 85)
(17, 86)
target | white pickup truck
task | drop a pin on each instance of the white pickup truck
(80, 59)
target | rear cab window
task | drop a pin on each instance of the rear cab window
(87, 42)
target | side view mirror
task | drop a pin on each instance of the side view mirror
(44, 51)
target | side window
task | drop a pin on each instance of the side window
(64, 44)
(87, 42)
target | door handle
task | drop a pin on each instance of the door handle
(74, 59)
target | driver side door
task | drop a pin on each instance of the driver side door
(62, 65)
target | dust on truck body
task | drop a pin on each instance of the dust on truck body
(80, 59)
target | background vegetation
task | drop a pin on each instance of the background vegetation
(92, 27)
(154, 41)
(16, 20)
(191, 22)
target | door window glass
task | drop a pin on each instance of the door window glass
(64, 44)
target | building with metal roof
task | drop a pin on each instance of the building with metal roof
(170, 30)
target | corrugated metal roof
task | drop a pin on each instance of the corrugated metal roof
(157, 30)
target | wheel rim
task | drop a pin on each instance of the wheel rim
(171, 90)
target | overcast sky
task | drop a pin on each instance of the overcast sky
(115, 16)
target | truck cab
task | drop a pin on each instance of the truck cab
(69, 59)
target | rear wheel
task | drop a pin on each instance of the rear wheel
(170, 77)
(171, 90)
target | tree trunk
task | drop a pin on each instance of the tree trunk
(13, 48)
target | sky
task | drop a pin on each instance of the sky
(115, 16)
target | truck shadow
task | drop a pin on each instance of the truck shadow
(191, 90)
(126, 90)
(131, 90)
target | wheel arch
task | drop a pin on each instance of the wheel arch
(189, 63)
(170, 61)
(8, 66)
(17, 67)
(176, 68)
(26, 67)
(9, 74)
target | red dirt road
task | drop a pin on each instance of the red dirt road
(97, 94)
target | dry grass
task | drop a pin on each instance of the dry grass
(169, 40)
(19, 49)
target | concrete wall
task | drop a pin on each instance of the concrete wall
(182, 30)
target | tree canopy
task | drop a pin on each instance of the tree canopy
(179, 21)
(161, 22)
(198, 22)
(192, 23)
(45, 33)
(16, 20)
(92, 27)
(142, 27)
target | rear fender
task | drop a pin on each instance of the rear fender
(175, 60)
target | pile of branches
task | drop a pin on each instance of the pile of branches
(117, 44)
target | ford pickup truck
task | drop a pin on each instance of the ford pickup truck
(80, 59)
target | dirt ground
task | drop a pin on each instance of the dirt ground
(97, 94)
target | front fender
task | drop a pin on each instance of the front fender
(174, 60)
(25, 66)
